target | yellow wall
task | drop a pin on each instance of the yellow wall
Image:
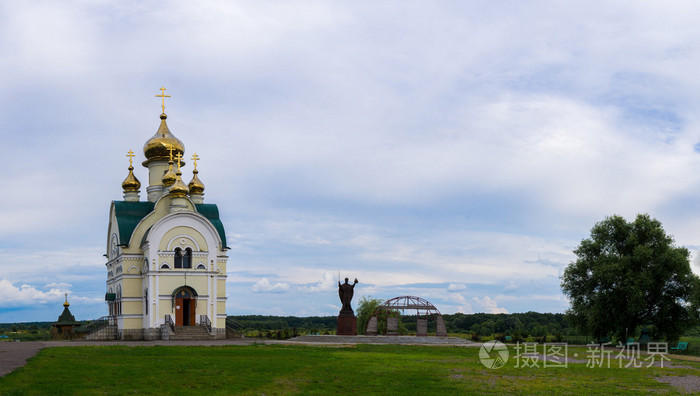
(131, 287)
(221, 264)
(132, 307)
(168, 284)
(165, 307)
(221, 288)
(191, 234)
(132, 323)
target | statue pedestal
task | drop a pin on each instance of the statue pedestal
(347, 325)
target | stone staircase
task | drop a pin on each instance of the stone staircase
(191, 333)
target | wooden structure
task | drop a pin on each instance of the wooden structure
(64, 327)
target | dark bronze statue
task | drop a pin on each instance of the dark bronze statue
(345, 291)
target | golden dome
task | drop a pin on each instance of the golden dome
(158, 147)
(178, 189)
(131, 183)
(170, 176)
(196, 186)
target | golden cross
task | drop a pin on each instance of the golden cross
(170, 150)
(195, 157)
(131, 155)
(179, 158)
(163, 95)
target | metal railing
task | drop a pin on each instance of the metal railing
(204, 321)
(169, 322)
(234, 325)
(234, 328)
(99, 323)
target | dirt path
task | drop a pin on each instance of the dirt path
(15, 354)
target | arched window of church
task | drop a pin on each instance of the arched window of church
(187, 259)
(119, 300)
(178, 258)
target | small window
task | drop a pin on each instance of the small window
(201, 266)
(178, 258)
(165, 266)
(187, 258)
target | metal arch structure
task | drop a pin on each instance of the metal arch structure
(409, 302)
(424, 309)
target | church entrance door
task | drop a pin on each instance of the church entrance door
(184, 312)
(184, 309)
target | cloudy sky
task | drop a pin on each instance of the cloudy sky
(457, 151)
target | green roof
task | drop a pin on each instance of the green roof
(129, 214)
(211, 212)
(66, 318)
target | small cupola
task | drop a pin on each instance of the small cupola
(131, 184)
(196, 186)
(178, 189)
(170, 176)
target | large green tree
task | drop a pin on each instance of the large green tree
(364, 312)
(628, 274)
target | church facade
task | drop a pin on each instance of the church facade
(166, 254)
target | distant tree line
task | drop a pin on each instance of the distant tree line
(25, 327)
(26, 331)
(523, 324)
(306, 324)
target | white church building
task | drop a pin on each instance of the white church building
(166, 255)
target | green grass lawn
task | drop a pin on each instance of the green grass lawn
(279, 369)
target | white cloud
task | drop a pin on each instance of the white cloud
(453, 287)
(326, 284)
(264, 286)
(511, 286)
(27, 295)
(531, 297)
(488, 305)
(462, 305)
(58, 285)
(72, 265)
